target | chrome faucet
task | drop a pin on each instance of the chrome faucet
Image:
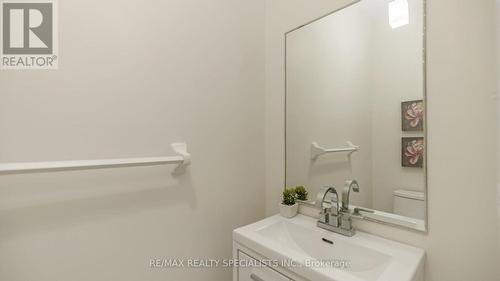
(338, 219)
(348, 186)
(329, 216)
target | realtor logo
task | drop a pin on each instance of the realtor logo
(29, 35)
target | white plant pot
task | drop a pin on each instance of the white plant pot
(289, 211)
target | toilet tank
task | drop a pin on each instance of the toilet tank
(409, 204)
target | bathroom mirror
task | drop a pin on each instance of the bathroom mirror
(355, 108)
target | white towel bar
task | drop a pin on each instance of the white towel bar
(182, 160)
(317, 150)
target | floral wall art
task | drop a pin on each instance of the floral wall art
(412, 115)
(413, 147)
(413, 152)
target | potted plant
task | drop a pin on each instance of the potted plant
(288, 207)
(301, 193)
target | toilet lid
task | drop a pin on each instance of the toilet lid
(415, 195)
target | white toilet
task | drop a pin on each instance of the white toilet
(409, 203)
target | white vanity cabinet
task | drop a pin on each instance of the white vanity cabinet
(255, 267)
(256, 272)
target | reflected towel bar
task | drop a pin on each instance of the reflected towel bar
(317, 150)
(182, 159)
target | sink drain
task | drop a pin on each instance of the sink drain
(327, 241)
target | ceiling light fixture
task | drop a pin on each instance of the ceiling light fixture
(399, 13)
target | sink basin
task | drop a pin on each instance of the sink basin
(318, 254)
(355, 258)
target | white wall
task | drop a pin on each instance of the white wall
(135, 76)
(461, 114)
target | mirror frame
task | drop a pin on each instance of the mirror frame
(384, 217)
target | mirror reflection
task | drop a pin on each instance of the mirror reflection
(355, 107)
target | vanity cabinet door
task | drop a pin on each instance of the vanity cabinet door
(258, 273)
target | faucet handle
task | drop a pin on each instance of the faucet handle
(334, 218)
(346, 223)
(324, 216)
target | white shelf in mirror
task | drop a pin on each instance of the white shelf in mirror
(317, 150)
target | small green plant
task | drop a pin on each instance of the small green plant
(301, 193)
(289, 196)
